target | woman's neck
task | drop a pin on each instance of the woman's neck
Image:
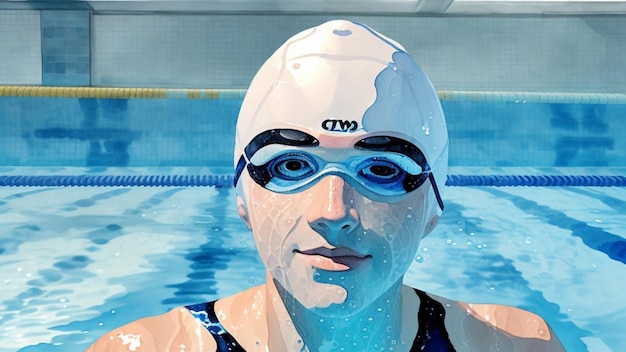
(388, 321)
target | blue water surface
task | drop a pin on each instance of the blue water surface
(79, 261)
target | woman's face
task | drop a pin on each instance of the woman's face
(330, 245)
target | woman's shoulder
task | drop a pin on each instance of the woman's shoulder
(174, 330)
(513, 329)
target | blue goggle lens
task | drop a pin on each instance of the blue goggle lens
(294, 170)
(293, 167)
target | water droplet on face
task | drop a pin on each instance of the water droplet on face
(419, 259)
(528, 240)
(317, 277)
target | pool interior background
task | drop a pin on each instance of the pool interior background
(79, 261)
(493, 130)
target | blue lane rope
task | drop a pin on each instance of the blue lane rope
(227, 181)
(118, 181)
(537, 180)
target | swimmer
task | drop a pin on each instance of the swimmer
(341, 158)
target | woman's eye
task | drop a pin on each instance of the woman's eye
(293, 166)
(383, 170)
(380, 171)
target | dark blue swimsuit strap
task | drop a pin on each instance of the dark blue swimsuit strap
(432, 335)
(205, 314)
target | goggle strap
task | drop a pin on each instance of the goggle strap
(241, 165)
(431, 176)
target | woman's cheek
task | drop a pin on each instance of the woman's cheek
(273, 219)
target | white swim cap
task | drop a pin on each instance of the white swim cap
(344, 78)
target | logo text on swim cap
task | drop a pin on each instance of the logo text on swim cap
(334, 125)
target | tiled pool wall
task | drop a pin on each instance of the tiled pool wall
(581, 53)
(79, 47)
(117, 132)
(176, 127)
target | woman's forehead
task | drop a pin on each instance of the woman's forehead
(291, 136)
(333, 146)
(339, 141)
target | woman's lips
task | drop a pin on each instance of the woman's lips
(335, 259)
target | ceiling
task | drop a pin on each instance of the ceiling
(438, 7)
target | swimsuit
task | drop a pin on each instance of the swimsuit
(432, 335)
(205, 314)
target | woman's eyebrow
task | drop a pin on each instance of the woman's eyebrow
(280, 136)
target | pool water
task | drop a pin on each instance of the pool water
(79, 261)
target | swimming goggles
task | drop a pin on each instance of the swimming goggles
(379, 167)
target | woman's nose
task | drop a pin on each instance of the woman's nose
(331, 214)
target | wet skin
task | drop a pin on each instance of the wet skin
(335, 261)
(337, 257)
(332, 248)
